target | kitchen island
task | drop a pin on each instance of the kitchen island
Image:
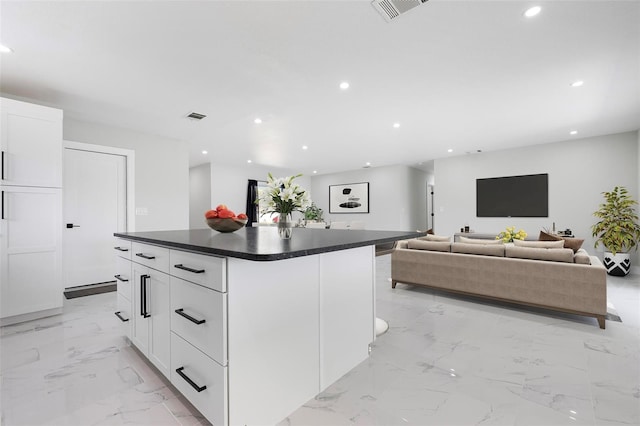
(248, 326)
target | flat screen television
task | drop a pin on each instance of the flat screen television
(513, 196)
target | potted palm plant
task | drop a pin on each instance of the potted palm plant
(617, 230)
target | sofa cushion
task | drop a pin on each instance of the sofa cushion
(572, 243)
(419, 244)
(537, 253)
(483, 249)
(430, 237)
(466, 240)
(582, 257)
(539, 244)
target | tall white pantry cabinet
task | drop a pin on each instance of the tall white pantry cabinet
(31, 220)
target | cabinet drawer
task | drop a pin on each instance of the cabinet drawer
(124, 315)
(152, 256)
(122, 248)
(209, 271)
(201, 371)
(206, 327)
(123, 277)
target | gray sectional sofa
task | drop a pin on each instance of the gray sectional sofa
(534, 274)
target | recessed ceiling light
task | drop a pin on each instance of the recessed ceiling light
(344, 85)
(315, 171)
(249, 161)
(205, 152)
(396, 125)
(532, 11)
(577, 83)
(5, 49)
(573, 132)
(367, 164)
(305, 147)
(450, 150)
(257, 120)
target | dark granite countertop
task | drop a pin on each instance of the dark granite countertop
(263, 244)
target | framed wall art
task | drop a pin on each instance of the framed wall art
(349, 198)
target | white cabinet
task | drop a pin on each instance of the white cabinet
(31, 144)
(30, 248)
(124, 285)
(151, 316)
(200, 379)
(199, 315)
(31, 220)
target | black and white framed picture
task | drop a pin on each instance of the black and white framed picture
(349, 198)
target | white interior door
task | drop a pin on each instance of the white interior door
(95, 206)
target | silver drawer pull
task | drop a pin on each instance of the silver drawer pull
(121, 249)
(144, 256)
(188, 380)
(189, 317)
(185, 268)
(119, 278)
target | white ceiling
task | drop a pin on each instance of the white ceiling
(461, 75)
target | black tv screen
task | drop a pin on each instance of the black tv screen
(513, 196)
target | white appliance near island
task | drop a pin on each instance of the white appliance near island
(248, 327)
(31, 216)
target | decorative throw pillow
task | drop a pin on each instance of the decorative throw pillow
(419, 244)
(572, 243)
(478, 241)
(430, 237)
(539, 244)
(545, 236)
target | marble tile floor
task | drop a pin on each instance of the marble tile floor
(446, 360)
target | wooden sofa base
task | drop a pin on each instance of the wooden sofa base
(600, 318)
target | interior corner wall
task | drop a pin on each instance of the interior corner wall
(229, 183)
(199, 195)
(579, 171)
(397, 197)
(161, 171)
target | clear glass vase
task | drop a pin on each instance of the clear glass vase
(285, 226)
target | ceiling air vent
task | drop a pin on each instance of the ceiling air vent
(196, 116)
(391, 9)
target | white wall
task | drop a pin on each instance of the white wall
(161, 171)
(579, 171)
(199, 195)
(397, 197)
(229, 183)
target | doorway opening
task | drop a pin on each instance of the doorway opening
(98, 200)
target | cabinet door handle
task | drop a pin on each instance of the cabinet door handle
(144, 256)
(185, 268)
(2, 205)
(120, 316)
(121, 249)
(143, 296)
(119, 278)
(2, 166)
(189, 317)
(188, 380)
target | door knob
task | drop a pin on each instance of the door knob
(71, 225)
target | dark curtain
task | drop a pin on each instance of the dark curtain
(252, 206)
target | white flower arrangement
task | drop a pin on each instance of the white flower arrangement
(283, 196)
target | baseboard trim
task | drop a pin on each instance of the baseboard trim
(30, 316)
(90, 289)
